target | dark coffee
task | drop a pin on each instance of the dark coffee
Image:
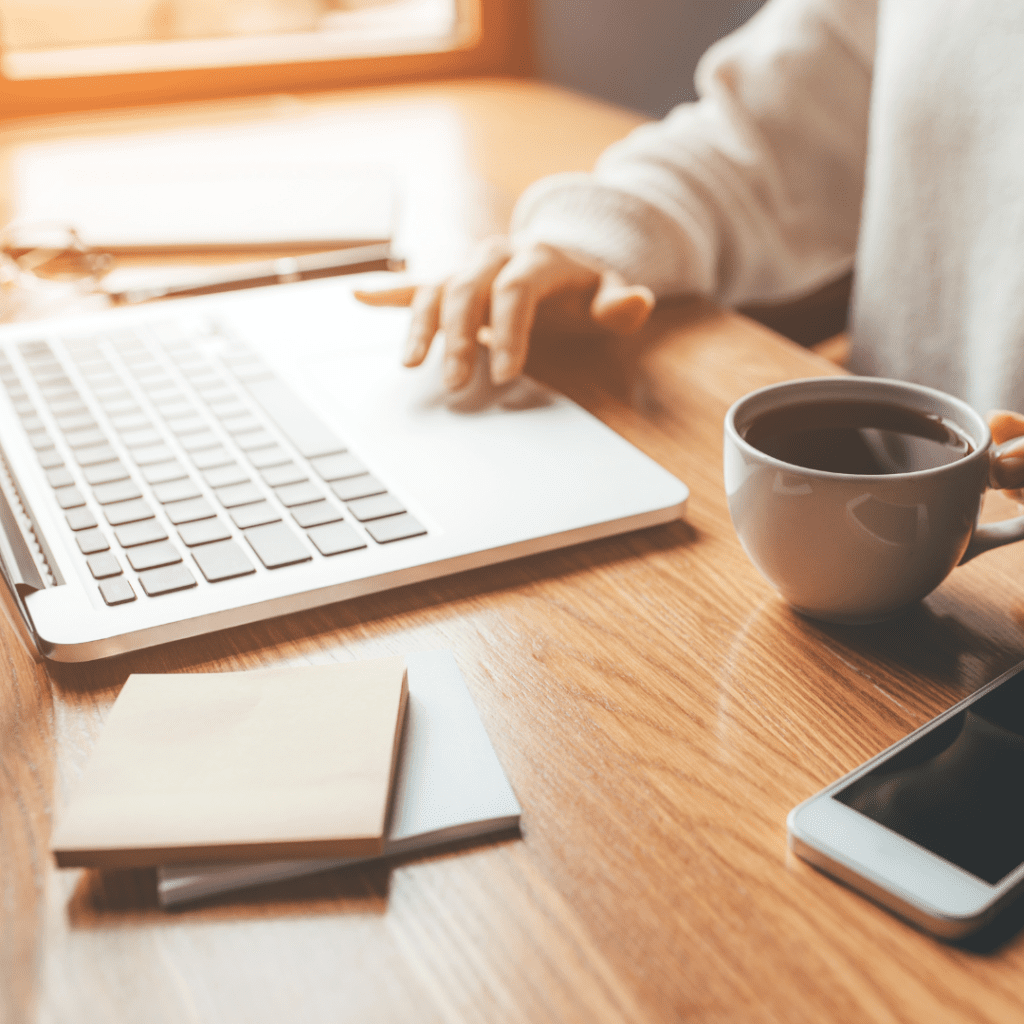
(857, 437)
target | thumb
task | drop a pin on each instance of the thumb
(619, 307)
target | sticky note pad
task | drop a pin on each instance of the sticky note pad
(259, 765)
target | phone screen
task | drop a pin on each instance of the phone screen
(958, 790)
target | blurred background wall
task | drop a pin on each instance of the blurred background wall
(638, 53)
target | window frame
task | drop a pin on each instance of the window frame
(498, 43)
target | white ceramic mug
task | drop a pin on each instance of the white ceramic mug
(857, 548)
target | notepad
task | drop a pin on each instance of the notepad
(449, 785)
(254, 765)
(196, 192)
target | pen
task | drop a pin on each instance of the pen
(354, 260)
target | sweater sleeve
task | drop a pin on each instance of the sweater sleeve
(752, 193)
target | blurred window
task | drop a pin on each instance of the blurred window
(54, 39)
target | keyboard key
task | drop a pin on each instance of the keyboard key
(85, 438)
(288, 473)
(212, 458)
(141, 438)
(260, 514)
(177, 409)
(219, 396)
(187, 425)
(128, 512)
(97, 454)
(49, 458)
(263, 458)
(298, 494)
(199, 441)
(166, 580)
(66, 407)
(119, 490)
(105, 473)
(384, 531)
(357, 487)
(175, 490)
(134, 534)
(225, 476)
(335, 538)
(276, 546)
(153, 556)
(303, 428)
(338, 467)
(118, 402)
(241, 424)
(131, 421)
(206, 531)
(256, 440)
(80, 519)
(74, 421)
(189, 511)
(238, 494)
(151, 454)
(317, 514)
(164, 471)
(59, 477)
(117, 591)
(91, 541)
(377, 507)
(40, 439)
(69, 497)
(103, 566)
(222, 561)
(230, 410)
(32, 423)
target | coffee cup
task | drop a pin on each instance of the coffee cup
(857, 536)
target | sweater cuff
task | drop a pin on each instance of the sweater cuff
(619, 230)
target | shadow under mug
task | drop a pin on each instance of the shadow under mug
(856, 548)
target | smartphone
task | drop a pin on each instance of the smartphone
(933, 827)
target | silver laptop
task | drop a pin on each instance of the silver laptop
(179, 468)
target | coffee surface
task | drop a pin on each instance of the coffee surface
(857, 437)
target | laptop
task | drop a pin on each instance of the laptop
(174, 469)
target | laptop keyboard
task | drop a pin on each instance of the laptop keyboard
(178, 460)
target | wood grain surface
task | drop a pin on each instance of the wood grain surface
(657, 708)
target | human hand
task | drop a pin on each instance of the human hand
(1006, 469)
(495, 299)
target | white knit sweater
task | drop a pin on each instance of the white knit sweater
(883, 133)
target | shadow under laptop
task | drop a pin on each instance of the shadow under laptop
(129, 897)
(267, 642)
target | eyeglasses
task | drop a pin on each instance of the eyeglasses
(44, 268)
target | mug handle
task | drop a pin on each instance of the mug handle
(994, 535)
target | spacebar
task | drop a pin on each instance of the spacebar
(305, 430)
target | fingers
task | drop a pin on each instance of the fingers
(529, 277)
(387, 296)
(426, 318)
(621, 308)
(1005, 425)
(464, 309)
(1006, 465)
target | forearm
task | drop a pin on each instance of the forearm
(751, 193)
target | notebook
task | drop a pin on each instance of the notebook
(449, 785)
(195, 192)
(222, 765)
(171, 470)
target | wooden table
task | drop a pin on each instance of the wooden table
(657, 708)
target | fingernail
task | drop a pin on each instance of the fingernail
(412, 347)
(501, 367)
